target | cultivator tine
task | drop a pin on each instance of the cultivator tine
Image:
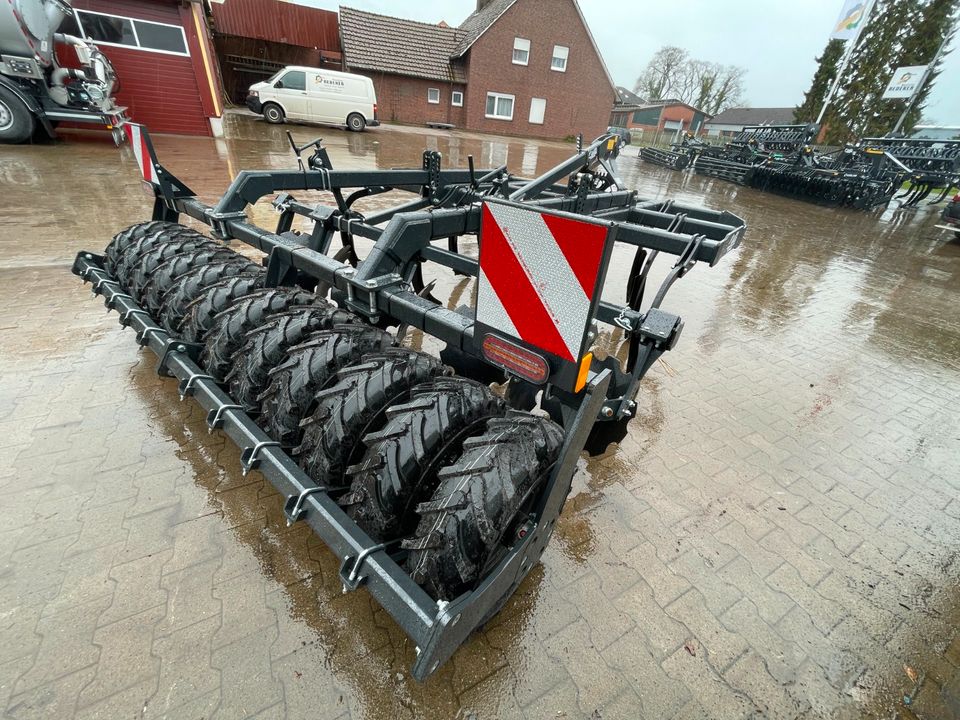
(188, 385)
(215, 417)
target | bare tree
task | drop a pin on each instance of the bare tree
(662, 73)
(672, 73)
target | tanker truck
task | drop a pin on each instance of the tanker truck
(36, 93)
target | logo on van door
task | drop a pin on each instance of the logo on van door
(328, 83)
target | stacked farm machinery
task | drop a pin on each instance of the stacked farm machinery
(781, 159)
(435, 492)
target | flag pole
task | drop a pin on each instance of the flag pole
(923, 81)
(852, 43)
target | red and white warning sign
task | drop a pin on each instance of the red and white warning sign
(137, 135)
(538, 276)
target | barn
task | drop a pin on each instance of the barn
(164, 59)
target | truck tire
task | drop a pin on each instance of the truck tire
(122, 241)
(356, 122)
(230, 327)
(354, 406)
(167, 273)
(467, 523)
(273, 113)
(137, 265)
(190, 285)
(199, 318)
(16, 121)
(292, 386)
(399, 468)
(267, 345)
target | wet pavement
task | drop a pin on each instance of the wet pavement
(778, 536)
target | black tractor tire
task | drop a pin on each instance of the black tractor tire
(17, 123)
(122, 241)
(191, 285)
(267, 345)
(137, 265)
(292, 386)
(201, 313)
(273, 114)
(230, 327)
(354, 405)
(473, 515)
(164, 277)
(400, 466)
(356, 122)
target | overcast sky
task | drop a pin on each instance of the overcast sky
(776, 41)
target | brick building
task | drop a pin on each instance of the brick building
(515, 67)
(658, 116)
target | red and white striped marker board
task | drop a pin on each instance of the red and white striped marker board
(137, 134)
(539, 276)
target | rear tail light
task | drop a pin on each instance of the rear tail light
(375, 115)
(515, 359)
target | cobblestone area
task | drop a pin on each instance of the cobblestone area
(777, 537)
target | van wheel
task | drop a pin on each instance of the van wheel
(273, 113)
(356, 122)
(16, 120)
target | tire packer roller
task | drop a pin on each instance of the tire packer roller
(437, 494)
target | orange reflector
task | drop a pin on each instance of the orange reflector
(583, 372)
(516, 359)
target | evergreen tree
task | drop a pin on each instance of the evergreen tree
(935, 23)
(822, 80)
(899, 32)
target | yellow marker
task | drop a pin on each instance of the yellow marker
(583, 372)
(610, 143)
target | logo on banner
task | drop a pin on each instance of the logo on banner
(905, 82)
(851, 15)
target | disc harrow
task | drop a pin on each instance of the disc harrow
(436, 493)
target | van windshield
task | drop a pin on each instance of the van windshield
(273, 77)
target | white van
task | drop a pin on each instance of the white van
(320, 96)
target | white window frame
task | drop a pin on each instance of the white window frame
(499, 96)
(133, 24)
(530, 115)
(564, 55)
(430, 91)
(521, 45)
(453, 98)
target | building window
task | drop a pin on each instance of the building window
(456, 98)
(559, 60)
(293, 80)
(538, 106)
(129, 32)
(433, 95)
(500, 106)
(521, 51)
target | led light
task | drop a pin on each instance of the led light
(584, 372)
(515, 359)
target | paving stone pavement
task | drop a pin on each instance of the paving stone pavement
(777, 537)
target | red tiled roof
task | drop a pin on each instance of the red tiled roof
(395, 45)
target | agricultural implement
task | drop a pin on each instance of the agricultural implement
(780, 159)
(931, 164)
(436, 493)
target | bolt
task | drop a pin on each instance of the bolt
(371, 283)
(607, 411)
(627, 413)
(181, 348)
(522, 533)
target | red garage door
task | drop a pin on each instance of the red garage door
(151, 44)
